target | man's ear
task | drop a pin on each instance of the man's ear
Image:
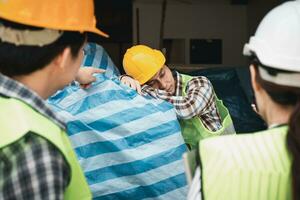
(62, 60)
(255, 85)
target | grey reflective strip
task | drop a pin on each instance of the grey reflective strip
(29, 37)
(229, 130)
(194, 192)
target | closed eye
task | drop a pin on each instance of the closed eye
(151, 83)
(162, 73)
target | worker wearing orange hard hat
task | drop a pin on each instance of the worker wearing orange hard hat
(41, 51)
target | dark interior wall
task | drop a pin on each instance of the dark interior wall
(257, 9)
(115, 18)
(217, 26)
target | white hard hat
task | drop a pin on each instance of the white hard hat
(276, 42)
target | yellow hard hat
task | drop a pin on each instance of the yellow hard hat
(67, 15)
(142, 62)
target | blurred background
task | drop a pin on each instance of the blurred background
(195, 33)
(198, 37)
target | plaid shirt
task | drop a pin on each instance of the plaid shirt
(32, 167)
(200, 100)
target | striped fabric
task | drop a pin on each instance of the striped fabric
(96, 56)
(129, 146)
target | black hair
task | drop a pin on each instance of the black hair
(23, 60)
(285, 95)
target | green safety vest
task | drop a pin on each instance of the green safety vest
(246, 166)
(17, 119)
(193, 129)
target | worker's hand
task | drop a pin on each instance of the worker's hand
(130, 82)
(85, 76)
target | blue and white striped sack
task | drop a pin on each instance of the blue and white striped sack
(129, 146)
(96, 56)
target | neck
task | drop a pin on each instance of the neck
(38, 82)
(175, 82)
(277, 114)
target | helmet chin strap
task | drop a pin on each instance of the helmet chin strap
(29, 37)
(281, 78)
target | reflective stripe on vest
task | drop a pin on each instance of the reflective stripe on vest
(193, 129)
(17, 119)
(246, 166)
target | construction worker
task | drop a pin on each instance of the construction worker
(41, 51)
(200, 112)
(263, 165)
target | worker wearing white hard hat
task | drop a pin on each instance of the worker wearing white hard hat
(266, 164)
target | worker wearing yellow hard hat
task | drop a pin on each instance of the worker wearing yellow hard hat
(41, 51)
(200, 112)
(142, 62)
(263, 165)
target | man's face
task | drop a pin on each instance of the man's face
(163, 80)
(71, 66)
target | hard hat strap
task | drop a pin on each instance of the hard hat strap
(29, 37)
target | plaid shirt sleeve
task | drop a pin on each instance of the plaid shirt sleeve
(32, 168)
(200, 96)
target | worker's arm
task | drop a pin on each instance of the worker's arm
(200, 96)
(32, 168)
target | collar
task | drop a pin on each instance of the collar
(17, 90)
(276, 126)
(178, 82)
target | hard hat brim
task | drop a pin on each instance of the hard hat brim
(98, 32)
(92, 30)
(247, 50)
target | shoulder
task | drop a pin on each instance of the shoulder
(33, 149)
(34, 162)
(246, 161)
(199, 81)
(276, 133)
(30, 142)
(245, 149)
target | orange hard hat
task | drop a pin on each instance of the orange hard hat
(66, 15)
